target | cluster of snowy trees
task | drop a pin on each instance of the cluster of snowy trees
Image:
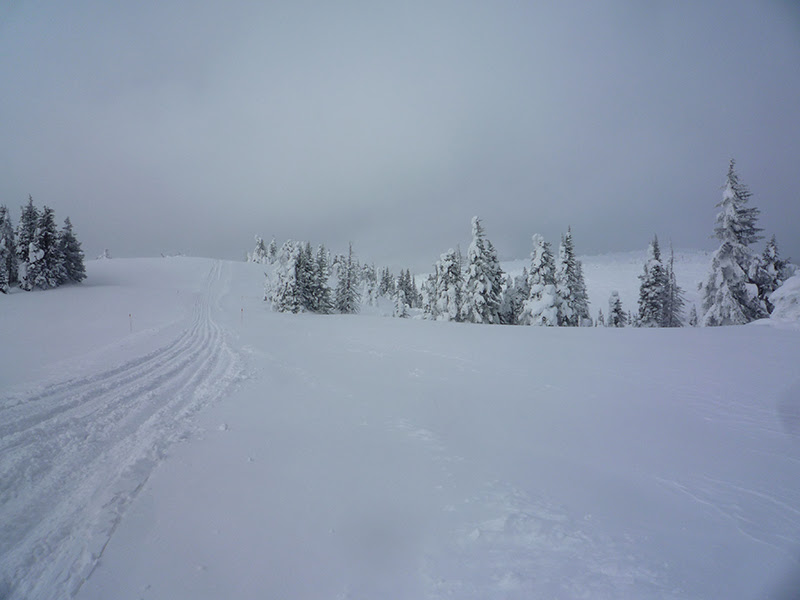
(37, 255)
(299, 279)
(475, 290)
(740, 281)
(551, 292)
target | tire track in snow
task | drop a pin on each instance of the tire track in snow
(73, 455)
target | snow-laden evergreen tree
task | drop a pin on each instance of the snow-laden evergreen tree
(428, 294)
(518, 296)
(71, 253)
(348, 299)
(601, 321)
(3, 268)
(305, 278)
(483, 280)
(772, 272)
(616, 316)
(369, 285)
(286, 294)
(730, 294)
(581, 296)
(693, 316)
(506, 311)
(541, 307)
(45, 262)
(401, 307)
(653, 289)
(322, 291)
(26, 231)
(387, 286)
(573, 305)
(8, 250)
(272, 252)
(449, 287)
(259, 254)
(672, 313)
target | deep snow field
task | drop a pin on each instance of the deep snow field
(205, 447)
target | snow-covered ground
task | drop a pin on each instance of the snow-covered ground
(368, 457)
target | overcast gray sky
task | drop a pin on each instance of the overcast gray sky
(190, 126)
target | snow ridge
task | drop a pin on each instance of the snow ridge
(74, 455)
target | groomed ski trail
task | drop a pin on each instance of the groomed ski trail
(73, 455)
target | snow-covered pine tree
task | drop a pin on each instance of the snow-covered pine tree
(771, 273)
(347, 295)
(519, 295)
(71, 253)
(322, 291)
(401, 306)
(581, 296)
(672, 314)
(45, 262)
(653, 288)
(305, 278)
(272, 252)
(730, 296)
(616, 316)
(387, 286)
(693, 316)
(8, 250)
(506, 311)
(26, 230)
(369, 285)
(3, 268)
(259, 254)
(428, 294)
(449, 287)
(541, 307)
(286, 292)
(569, 284)
(483, 280)
(601, 321)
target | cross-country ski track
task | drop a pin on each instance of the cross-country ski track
(74, 454)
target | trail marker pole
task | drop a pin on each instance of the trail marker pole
(130, 318)
(241, 319)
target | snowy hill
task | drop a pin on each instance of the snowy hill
(164, 435)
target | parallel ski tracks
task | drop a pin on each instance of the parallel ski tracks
(73, 455)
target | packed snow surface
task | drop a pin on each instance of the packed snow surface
(164, 435)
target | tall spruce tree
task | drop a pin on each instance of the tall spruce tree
(483, 280)
(45, 261)
(771, 273)
(26, 230)
(570, 286)
(8, 251)
(653, 289)
(286, 294)
(616, 316)
(387, 284)
(71, 253)
(347, 294)
(730, 294)
(672, 313)
(322, 291)
(449, 287)
(541, 306)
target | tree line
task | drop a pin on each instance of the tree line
(550, 292)
(37, 255)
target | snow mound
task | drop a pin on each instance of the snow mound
(786, 300)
